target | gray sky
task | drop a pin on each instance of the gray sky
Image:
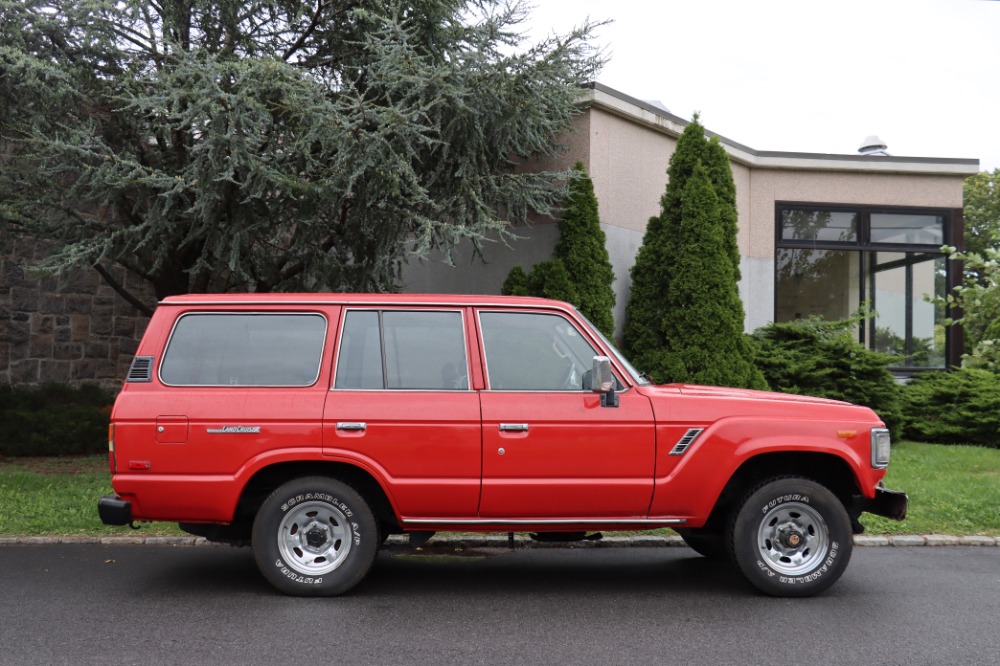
(808, 76)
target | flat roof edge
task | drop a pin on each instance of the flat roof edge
(613, 101)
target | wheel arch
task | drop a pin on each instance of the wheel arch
(827, 469)
(265, 480)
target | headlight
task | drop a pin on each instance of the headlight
(880, 448)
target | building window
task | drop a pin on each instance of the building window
(831, 259)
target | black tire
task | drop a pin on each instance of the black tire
(791, 537)
(707, 543)
(315, 536)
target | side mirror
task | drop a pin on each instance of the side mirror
(602, 381)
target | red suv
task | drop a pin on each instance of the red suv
(314, 425)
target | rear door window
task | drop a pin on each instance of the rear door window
(402, 350)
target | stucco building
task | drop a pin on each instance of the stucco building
(818, 234)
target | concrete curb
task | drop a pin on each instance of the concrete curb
(503, 541)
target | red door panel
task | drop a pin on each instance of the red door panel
(426, 444)
(562, 455)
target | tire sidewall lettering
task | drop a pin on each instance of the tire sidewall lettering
(291, 575)
(291, 502)
(778, 501)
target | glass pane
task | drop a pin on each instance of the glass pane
(244, 350)
(896, 228)
(906, 324)
(819, 225)
(359, 364)
(822, 283)
(425, 350)
(534, 352)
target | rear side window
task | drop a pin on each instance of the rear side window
(403, 350)
(244, 349)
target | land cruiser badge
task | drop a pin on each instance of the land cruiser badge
(234, 430)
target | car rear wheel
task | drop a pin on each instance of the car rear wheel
(315, 536)
(791, 537)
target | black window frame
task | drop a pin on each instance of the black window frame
(952, 233)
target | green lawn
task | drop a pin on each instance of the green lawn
(952, 489)
(58, 496)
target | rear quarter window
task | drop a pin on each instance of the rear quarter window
(244, 349)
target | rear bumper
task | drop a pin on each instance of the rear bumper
(891, 504)
(113, 510)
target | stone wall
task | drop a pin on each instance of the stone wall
(71, 329)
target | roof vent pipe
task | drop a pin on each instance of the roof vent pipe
(873, 146)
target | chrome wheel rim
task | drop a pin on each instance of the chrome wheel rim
(314, 538)
(793, 539)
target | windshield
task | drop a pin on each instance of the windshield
(636, 376)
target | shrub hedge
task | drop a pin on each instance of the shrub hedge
(53, 420)
(960, 407)
(822, 359)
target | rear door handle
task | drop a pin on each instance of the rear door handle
(352, 425)
(513, 427)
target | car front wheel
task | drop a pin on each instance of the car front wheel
(791, 537)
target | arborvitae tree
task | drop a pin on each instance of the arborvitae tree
(581, 273)
(721, 174)
(582, 247)
(550, 279)
(703, 322)
(684, 317)
(516, 283)
(642, 334)
(263, 145)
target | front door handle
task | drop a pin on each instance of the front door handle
(352, 425)
(513, 427)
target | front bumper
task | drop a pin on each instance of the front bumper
(891, 504)
(113, 510)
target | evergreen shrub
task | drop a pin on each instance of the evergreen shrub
(581, 271)
(53, 420)
(684, 318)
(548, 279)
(582, 248)
(516, 283)
(823, 359)
(960, 407)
